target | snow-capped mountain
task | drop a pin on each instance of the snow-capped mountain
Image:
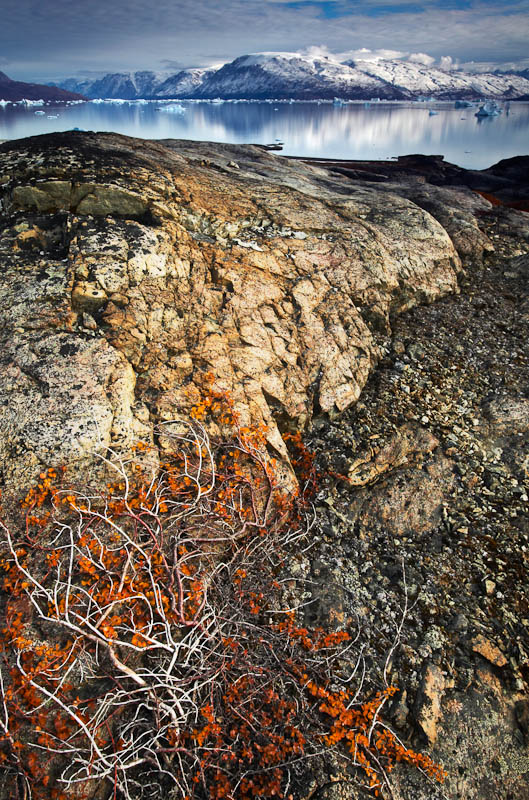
(184, 83)
(292, 75)
(124, 85)
(414, 79)
(285, 75)
(520, 73)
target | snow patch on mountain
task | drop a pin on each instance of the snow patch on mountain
(285, 75)
(311, 75)
(184, 84)
(125, 85)
(416, 78)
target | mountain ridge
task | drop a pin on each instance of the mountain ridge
(19, 90)
(282, 76)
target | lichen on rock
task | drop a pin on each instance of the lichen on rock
(168, 264)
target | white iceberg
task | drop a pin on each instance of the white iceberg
(176, 108)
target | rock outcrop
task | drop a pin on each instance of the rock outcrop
(133, 268)
(431, 514)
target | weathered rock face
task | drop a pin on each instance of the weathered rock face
(431, 515)
(130, 269)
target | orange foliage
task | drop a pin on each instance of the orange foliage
(157, 557)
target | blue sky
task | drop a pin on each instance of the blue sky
(49, 39)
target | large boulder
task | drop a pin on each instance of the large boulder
(131, 269)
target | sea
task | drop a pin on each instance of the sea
(324, 129)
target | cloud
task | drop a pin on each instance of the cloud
(365, 54)
(317, 51)
(170, 63)
(54, 38)
(448, 63)
(421, 58)
(490, 66)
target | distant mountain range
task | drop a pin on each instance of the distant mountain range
(17, 90)
(291, 75)
(142, 84)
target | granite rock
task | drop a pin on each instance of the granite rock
(130, 269)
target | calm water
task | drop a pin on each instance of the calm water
(356, 131)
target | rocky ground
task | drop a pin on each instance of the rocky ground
(385, 312)
(435, 460)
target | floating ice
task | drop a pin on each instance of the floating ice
(490, 109)
(173, 109)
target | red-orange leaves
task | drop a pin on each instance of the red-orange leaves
(145, 641)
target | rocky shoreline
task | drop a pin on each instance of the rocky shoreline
(382, 308)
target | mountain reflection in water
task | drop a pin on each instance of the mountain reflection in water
(350, 131)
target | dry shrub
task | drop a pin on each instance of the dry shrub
(147, 648)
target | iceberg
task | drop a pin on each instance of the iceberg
(490, 109)
(176, 108)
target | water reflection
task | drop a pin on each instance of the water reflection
(354, 131)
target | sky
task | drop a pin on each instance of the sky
(44, 40)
